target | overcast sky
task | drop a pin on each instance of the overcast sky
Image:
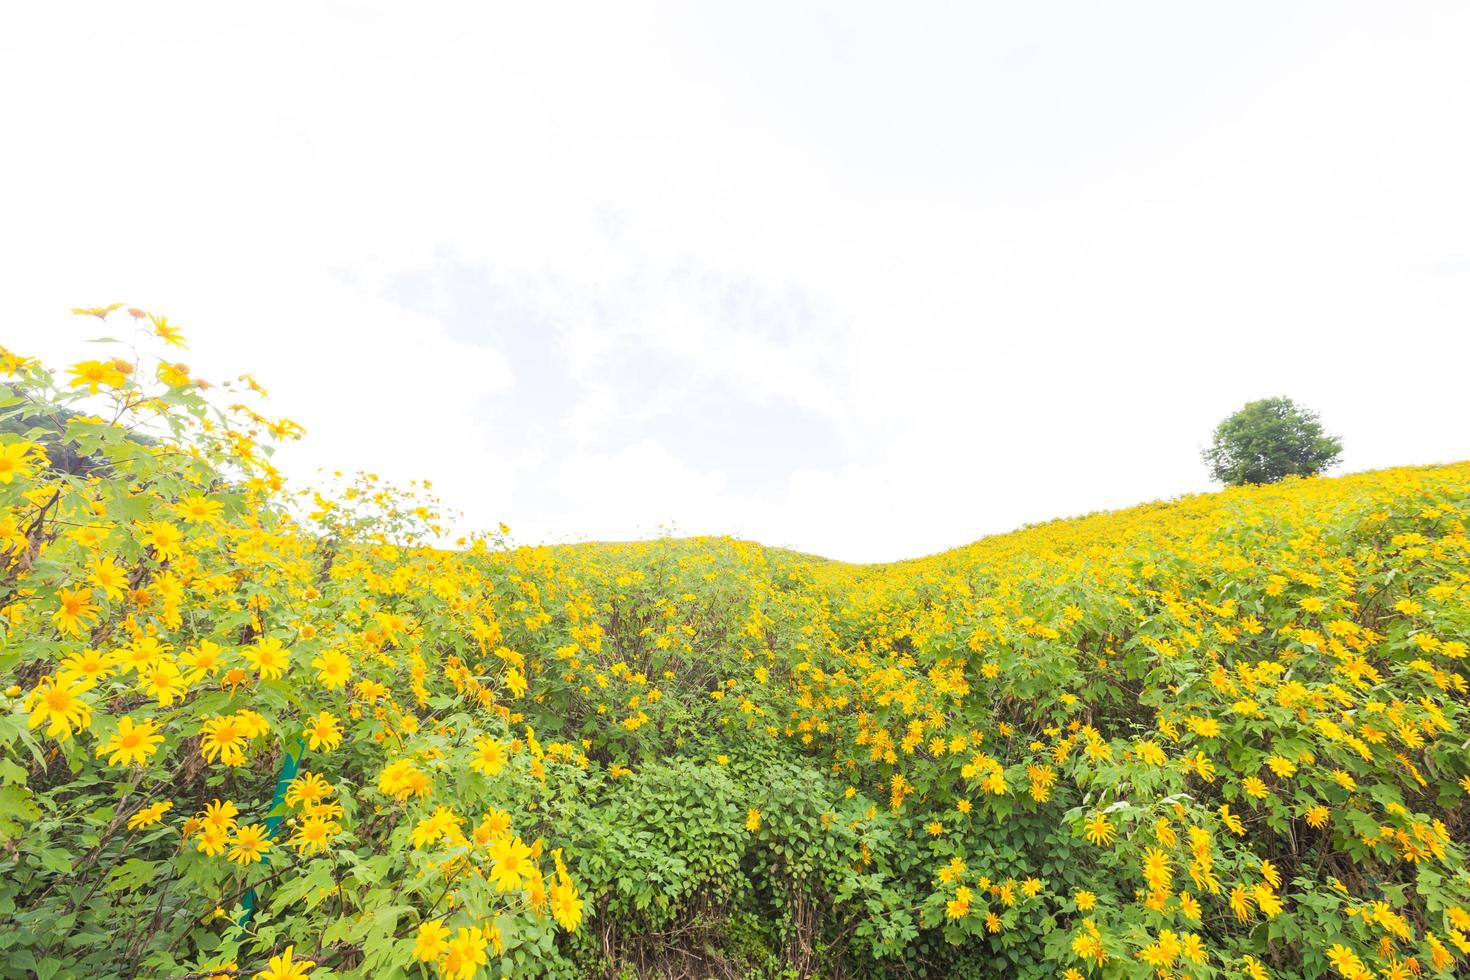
(866, 280)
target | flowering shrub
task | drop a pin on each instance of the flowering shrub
(255, 730)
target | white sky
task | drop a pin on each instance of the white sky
(866, 280)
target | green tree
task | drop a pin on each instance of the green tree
(1270, 439)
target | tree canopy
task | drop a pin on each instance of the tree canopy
(1268, 440)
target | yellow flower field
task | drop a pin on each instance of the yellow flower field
(262, 730)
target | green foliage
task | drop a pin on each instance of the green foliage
(1269, 440)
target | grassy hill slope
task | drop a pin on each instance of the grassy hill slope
(1219, 736)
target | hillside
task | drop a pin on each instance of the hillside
(247, 727)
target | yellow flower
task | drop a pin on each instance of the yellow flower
(57, 703)
(508, 863)
(163, 681)
(466, 954)
(324, 732)
(75, 612)
(165, 539)
(1086, 901)
(1346, 962)
(223, 738)
(566, 906)
(1099, 830)
(307, 788)
(109, 578)
(94, 374)
(149, 815)
(92, 665)
(212, 840)
(753, 820)
(402, 779)
(283, 968)
(131, 743)
(1254, 969)
(431, 942)
(1163, 951)
(314, 834)
(100, 312)
(441, 825)
(18, 459)
(489, 757)
(333, 668)
(198, 509)
(1240, 903)
(221, 814)
(1156, 869)
(250, 843)
(169, 333)
(269, 657)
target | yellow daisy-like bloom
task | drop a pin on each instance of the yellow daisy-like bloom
(75, 612)
(269, 657)
(1099, 830)
(250, 843)
(131, 743)
(109, 578)
(431, 941)
(566, 905)
(57, 703)
(402, 779)
(17, 460)
(212, 840)
(220, 813)
(308, 788)
(92, 375)
(466, 954)
(509, 862)
(1240, 903)
(203, 659)
(284, 967)
(93, 665)
(959, 906)
(333, 668)
(163, 681)
(324, 732)
(149, 815)
(489, 757)
(198, 509)
(165, 539)
(169, 333)
(434, 828)
(1193, 949)
(314, 834)
(224, 738)
(753, 820)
